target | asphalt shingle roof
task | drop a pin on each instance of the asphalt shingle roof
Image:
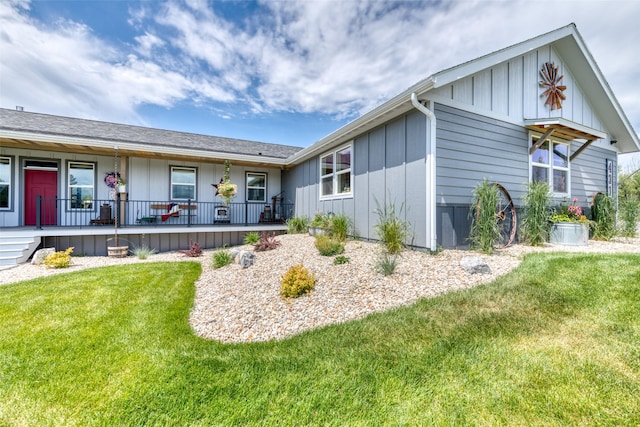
(23, 121)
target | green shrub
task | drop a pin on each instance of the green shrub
(387, 263)
(322, 220)
(251, 238)
(391, 229)
(296, 281)
(340, 259)
(60, 259)
(604, 215)
(297, 225)
(222, 258)
(328, 246)
(485, 231)
(629, 215)
(143, 252)
(534, 227)
(340, 227)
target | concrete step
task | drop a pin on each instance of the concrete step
(16, 249)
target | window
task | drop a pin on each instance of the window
(256, 187)
(81, 185)
(5, 182)
(183, 183)
(550, 164)
(335, 173)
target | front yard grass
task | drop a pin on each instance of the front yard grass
(555, 342)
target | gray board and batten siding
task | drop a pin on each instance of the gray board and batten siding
(388, 166)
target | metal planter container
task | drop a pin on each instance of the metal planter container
(569, 233)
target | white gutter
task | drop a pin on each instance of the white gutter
(431, 172)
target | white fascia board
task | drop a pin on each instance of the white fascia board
(362, 123)
(128, 146)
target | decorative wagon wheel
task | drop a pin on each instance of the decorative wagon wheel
(505, 216)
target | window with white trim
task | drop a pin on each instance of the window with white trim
(81, 183)
(5, 182)
(256, 187)
(183, 183)
(335, 172)
(550, 164)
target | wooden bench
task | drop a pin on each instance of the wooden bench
(160, 210)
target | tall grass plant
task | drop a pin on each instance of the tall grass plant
(534, 227)
(485, 230)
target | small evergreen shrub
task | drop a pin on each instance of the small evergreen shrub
(267, 242)
(297, 225)
(534, 228)
(222, 258)
(629, 215)
(340, 259)
(485, 231)
(251, 238)
(296, 281)
(391, 229)
(386, 264)
(604, 215)
(328, 246)
(60, 259)
(340, 227)
(194, 250)
(143, 252)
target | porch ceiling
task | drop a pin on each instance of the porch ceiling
(564, 128)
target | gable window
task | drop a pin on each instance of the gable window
(183, 183)
(81, 184)
(335, 172)
(5, 182)
(256, 187)
(550, 164)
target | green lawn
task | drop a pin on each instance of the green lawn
(556, 342)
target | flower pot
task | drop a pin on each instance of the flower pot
(122, 188)
(569, 233)
(313, 231)
(117, 251)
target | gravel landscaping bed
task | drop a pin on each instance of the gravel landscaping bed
(233, 304)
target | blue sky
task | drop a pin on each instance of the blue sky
(286, 72)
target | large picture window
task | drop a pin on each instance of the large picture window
(81, 185)
(335, 172)
(550, 164)
(183, 183)
(256, 187)
(5, 182)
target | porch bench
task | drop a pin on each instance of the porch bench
(159, 210)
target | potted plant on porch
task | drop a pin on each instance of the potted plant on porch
(569, 226)
(113, 180)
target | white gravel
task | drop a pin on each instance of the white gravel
(241, 305)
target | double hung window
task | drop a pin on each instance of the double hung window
(256, 187)
(82, 178)
(335, 172)
(550, 164)
(5, 182)
(183, 183)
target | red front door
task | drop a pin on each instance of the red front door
(40, 183)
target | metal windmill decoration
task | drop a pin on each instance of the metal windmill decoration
(551, 81)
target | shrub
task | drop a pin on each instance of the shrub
(630, 215)
(485, 231)
(340, 259)
(322, 220)
(534, 228)
(391, 229)
(387, 263)
(604, 215)
(194, 250)
(328, 246)
(60, 259)
(296, 281)
(340, 227)
(297, 225)
(251, 238)
(267, 242)
(222, 258)
(143, 252)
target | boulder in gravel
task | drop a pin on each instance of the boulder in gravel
(474, 265)
(41, 255)
(245, 258)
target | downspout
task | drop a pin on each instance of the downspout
(431, 172)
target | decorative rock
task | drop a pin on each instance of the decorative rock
(474, 265)
(41, 255)
(245, 258)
